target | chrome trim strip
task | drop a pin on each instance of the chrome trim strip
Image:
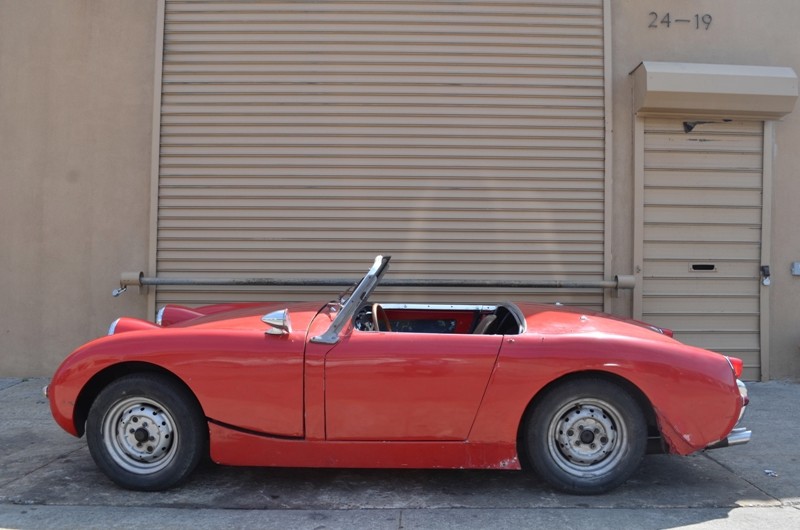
(441, 307)
(113, 327)
(730, 363)
(512, 308)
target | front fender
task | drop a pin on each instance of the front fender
(241, 378)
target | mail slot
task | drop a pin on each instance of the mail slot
(703, 267)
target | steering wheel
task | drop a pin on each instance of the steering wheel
(380, 320)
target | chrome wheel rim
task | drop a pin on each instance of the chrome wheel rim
(587, 437)
(140, 435)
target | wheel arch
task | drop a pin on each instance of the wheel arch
(108, 375)
(654, 446)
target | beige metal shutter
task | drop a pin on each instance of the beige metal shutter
(702, 234)
(300, 139)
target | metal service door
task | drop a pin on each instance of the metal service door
(702, 230)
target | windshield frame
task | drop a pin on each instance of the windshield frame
(354, 301)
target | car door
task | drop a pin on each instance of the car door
(393, 386)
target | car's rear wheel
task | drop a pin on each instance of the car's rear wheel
(146, 432)
(585, 436)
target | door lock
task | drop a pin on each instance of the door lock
(765, 280)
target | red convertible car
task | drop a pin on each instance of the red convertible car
(576, 396)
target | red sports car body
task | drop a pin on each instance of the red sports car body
(578, 396)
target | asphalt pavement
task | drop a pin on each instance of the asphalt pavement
(48, 480)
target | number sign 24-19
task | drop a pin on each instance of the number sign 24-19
(666, 21)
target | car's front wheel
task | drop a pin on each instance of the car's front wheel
(585, 436)
(146, 432)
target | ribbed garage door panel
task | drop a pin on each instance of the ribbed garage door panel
(702, 234)
(300, 139)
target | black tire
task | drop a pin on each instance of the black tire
(585, 436)
(146, 432)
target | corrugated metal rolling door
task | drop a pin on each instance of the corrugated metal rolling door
(702, 234)
(300, 139)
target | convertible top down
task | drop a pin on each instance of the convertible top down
(578, 397)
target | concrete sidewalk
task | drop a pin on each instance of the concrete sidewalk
(48, 480)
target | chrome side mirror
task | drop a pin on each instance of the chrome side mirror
(278, 321)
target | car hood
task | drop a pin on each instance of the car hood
(242, 316)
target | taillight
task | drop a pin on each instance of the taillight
(737, 365)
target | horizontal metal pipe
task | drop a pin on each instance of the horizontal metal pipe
(299, 282)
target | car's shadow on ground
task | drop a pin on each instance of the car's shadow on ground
(662, 481)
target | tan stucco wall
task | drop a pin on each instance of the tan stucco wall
(742, 32)
(76, 91)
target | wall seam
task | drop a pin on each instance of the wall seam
(766, 244)
(155, 155)
(608, 255)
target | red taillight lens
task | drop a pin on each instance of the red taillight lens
(667, 332)
(738, 366)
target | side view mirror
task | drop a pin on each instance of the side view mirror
(278, 321)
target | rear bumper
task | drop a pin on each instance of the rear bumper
(739, 435)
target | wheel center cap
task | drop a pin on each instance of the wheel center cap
(587, 436)
(141, 435)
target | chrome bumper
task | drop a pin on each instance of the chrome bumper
(739, 435)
